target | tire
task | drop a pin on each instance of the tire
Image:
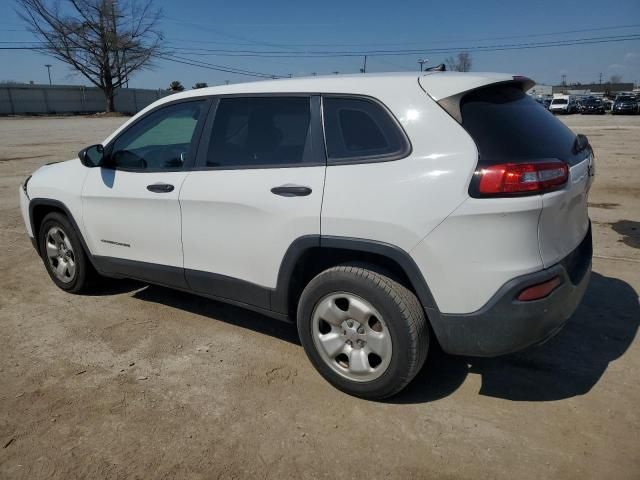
(56, 232)
(375, 357)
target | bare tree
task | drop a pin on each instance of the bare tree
(105, 40)
(459, 63)
(200, 85)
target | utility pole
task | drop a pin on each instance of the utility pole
(564, 80)
(600, 78)
(335, 73)
(422, 61)
(364, 66)
(48, 65)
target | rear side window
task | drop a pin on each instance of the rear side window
(260, 131)
(361, 129)
(507, 126)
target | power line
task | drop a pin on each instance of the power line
(503, 37)
(219, 68)
(482, 48)
(329, 54)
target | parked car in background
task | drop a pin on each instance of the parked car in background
(563, 104)
(625, 104)
(591, 106)
(222, 192)
(608, 104)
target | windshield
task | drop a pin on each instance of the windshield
(508, 126)
(559, 101)
(592, 101)
(625, 99)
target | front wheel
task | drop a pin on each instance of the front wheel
(63, 255)
(364, 332)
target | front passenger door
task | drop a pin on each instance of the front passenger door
(131, 212)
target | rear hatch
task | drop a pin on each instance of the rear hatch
(514, 133)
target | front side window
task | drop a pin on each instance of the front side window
(358, 128)
(160, 141)
(260, 131)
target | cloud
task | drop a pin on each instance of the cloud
(631, 57)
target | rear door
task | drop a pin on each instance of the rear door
(257, 187)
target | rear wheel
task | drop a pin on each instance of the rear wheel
(364, 332)
(63, 255)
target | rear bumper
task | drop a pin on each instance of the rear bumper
(505, 324)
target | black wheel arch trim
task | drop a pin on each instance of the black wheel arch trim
(280, 295)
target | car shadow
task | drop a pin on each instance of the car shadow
(223, 312)
(111, 286)
(570, 364)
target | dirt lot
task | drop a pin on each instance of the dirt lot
(142, 382)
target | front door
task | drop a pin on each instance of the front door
(131, 211)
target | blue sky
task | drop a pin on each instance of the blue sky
(285, 26)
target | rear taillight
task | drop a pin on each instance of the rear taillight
(519, 178)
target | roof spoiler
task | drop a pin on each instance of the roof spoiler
(451, 104)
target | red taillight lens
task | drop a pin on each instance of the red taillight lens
(509, 178)
(540, 290)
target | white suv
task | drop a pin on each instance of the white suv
(376, 211)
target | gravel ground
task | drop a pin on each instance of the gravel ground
(142, 382)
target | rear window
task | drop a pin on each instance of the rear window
(559, 101)
(507, 126)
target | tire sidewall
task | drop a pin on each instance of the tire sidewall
(56, 219)
(339, 281)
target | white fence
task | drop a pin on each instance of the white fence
(55, 99)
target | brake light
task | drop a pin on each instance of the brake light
(540, 290)
(514, 178)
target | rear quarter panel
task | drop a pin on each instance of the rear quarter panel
(400, 201)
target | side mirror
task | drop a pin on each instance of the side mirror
(92, 156)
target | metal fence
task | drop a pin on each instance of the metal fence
(56, 99)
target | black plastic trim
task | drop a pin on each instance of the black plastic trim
(505, 324)
(230, 288)
(280, 296)
(164, 275)
(37, 202)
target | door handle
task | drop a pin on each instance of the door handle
(160, 188)
(291, 191)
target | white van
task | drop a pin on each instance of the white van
(563, 104)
